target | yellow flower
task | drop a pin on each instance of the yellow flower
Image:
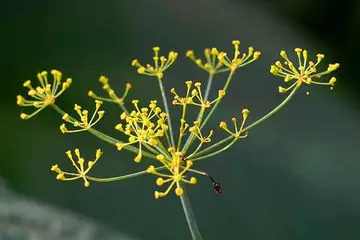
(195, 129)
(84, 124)
(238, 130)
(239, 60)
(159, 66)
(79, 166)
(177, 169)
(194, 96)
(212, 65)
(143, 126)
(112, 95)
(305, 72)
(43, 95)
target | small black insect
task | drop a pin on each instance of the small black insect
(216, 186)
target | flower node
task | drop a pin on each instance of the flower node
(81, 170)
(238, 131)
(238, 60)
(112, 96)
(196, 131)
(194, 96)
(305, 71)
(211, 63)
(177, 169)
(85, 123)
(144, 126)
(160, 64)
(43, 95)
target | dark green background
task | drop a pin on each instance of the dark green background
(296, 177)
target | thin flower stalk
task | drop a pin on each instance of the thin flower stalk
(113, 97)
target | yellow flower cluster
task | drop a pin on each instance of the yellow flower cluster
(195, 129)
(216, 62)
(239, 60)
(305, 72)
(45, 94)
(160, 64)
(79, 166)
(143, 126)
(238, 130)
(113, 97)
(84, 124)
(194, 96)
(177, 168)
(212, 64)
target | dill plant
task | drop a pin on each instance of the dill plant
(148, 128)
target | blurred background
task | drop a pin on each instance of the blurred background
(297, 176)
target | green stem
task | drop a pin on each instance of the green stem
(272, 112)
(190, 217)
(113, 141)
(163, 95)
(216, 152)
(123, 107)
(227, 84)
(113, 179)
(181, 130)
(191, 137)
(208, 87)
(214, 146)
(123, 177)
(196, 150)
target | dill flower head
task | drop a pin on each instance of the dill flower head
(177, 168)
(194, 96)
(85, 122)
(238, 130)
(196, 131)
(160, 64)
(45, 94)
(217, 62)
(303, 71)
(81, 171)
(113, 97)
(143, 126)
(238, 60)
(211, 64)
